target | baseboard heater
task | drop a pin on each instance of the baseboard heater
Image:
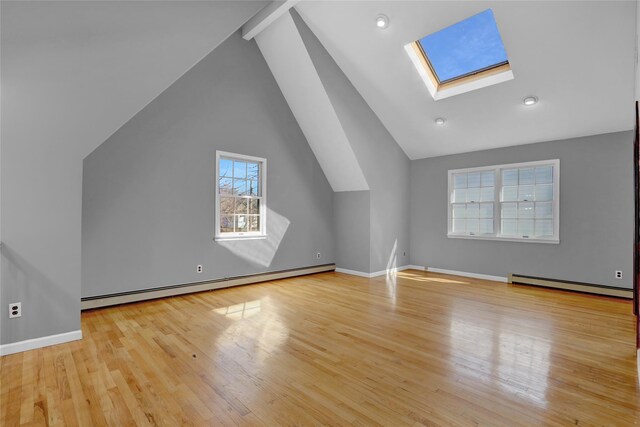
(188, 288)
(567, 285)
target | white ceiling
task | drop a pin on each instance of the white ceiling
(286, 54)
(577, 57)
(74, 72)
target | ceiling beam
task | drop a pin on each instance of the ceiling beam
(265, 17)
(288, 59)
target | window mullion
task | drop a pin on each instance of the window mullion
(497, 205)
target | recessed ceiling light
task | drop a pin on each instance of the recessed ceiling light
(530, 100)
(382, 22)
(440, 121)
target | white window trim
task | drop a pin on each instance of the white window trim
(442, 93)
(251, 235)
(555, 239)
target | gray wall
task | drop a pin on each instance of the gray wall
(383, 162)
(352, 229)
(596, 214)
(148, 195)
(72, 73)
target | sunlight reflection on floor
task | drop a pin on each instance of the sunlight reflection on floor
(240, 311)
(257, 332)
(421, 278)
(518, 363)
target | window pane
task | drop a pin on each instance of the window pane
(486, 226)
(466, 47)
(510, 177)
(239, 203)
(226, 224)
(509, 210)
(254, 206)
(473, 179)
(254, 223)
(544, 210)
(525, 227)
(473, 210)
(544, 175)
(241, 206)
(488, 179)
(526, 176)
(253, 170)
(486, 210)
(460, 180)
(544, 192)
(525, 210)
(460, 196)
(473, 195)
(525, 193)
(509, 227)
(241, 223)
(227, 204)
(226, 186)
(544, 227)
(487, 194)
(458, 211)
(526, 197)
(509, 194)
(225, 168)
(240, 187)
(473, 226)
(253, 188)
(239, 169)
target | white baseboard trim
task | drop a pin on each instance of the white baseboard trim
(32, 344)
(467, 274)
(353, 272)
(375, 273)
(422, 268)
(384, 272)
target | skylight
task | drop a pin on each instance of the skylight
(462, 57)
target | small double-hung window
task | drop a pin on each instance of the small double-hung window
(241, 195)
(506, 202)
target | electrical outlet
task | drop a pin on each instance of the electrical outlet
(198, 269)
(15, 310)
(318, 255)
(618, 274)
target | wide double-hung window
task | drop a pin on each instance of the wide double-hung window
(241, 194)
(506, 202)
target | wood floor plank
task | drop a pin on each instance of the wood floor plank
(418, 349)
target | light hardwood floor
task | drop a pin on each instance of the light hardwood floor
(424, 349)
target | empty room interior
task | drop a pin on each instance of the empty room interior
(301, 213)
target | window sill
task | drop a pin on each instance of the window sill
(250, 237)
(504, 239)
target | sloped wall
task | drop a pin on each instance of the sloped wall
(383, 162)
(72, 73)
(148, 193)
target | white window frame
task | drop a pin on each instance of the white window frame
(555, 239)
(262, 234)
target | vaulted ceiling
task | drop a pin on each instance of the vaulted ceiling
(577, 57)
(74, 72)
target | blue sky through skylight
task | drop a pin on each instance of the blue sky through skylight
(468, 46)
